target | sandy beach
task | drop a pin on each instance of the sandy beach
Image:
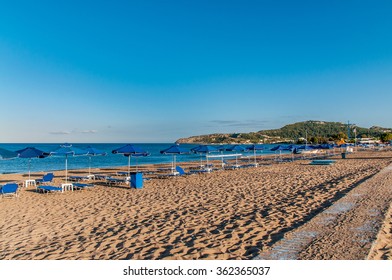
(227, 214)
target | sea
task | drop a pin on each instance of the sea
(53, 163)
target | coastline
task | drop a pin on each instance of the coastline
(231, 214)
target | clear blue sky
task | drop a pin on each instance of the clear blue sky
(154, 71)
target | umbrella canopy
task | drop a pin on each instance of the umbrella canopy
(280, 148)
(93, 152)
(131, 151)
(5, 154)
(67, 150)
(174, 150)
(236, 148)
(31, 152)
(255, 148)
(204, 149)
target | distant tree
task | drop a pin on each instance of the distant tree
(340, 136)
(385, 137)
(314, 139)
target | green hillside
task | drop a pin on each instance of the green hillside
(314, 131)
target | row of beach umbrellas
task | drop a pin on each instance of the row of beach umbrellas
(129, 151)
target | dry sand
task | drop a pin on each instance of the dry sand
(231, 214)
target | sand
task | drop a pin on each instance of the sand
(230, 214)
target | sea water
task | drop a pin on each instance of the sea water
(53, 163)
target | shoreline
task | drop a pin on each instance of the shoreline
(230, 214)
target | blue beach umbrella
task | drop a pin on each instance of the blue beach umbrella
(237, 149)
(204, 149)
(174, 150)
(280, 148)
(93, 152)
(5, 154)
(31, 152)
(67, 150)
(131, 151)
(255, 148)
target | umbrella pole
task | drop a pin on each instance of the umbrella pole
(254, 152)
(89, 166)
(29, 167)
(66, 169)
(129, 166)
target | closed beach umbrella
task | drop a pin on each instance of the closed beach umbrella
(5, 154)
(174, 150)
(31, 152)
(93, 152)
(237, 149)
(67, 150)
(131, 151)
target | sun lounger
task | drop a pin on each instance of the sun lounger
(79, 178)
(10, 189)
(115, 181)
(322, 162)
(81, 186)
(47, 178)
(100, 177)
(49, 189)
(203, 170)
(181, 171)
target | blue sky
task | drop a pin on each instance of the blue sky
(155, 71)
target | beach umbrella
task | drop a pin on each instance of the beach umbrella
(131, 151)
(279, 148)
(174, 150)
(93, 152)
(31, 152)
(237, 149)
(204, 149)
(255, 148)
(5, 154)
(67, 150)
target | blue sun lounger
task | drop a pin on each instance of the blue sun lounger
(47, 178)
(79, 178)
(49, 189)
(322, 162)
(81, 186)
(10, 189)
